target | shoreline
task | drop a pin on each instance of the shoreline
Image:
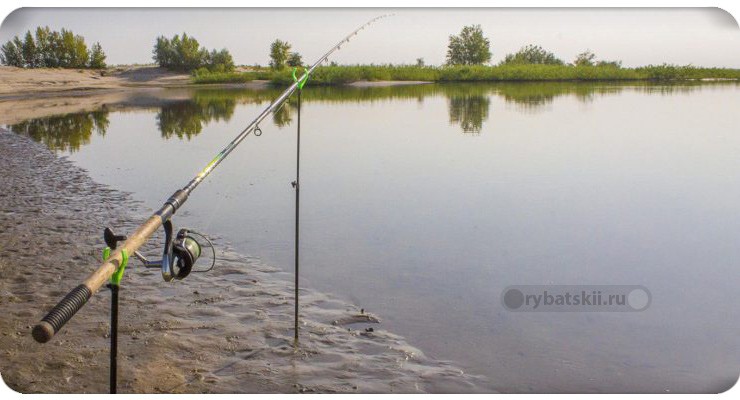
(228, 331)
(20, 108)
(46, 83)
(49, 83)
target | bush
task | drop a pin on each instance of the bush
(532, 54)
(185, 54)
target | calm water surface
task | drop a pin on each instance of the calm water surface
(422, 203)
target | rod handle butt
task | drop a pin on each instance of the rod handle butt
(61, 313)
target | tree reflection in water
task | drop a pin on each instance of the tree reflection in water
(469, 106)
(65, 132)
(469, 112)
(185, 119)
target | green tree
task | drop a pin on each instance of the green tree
(470, 47)
(71, 50)
(191, 55)
(30, 56)
(80, 54)
(56, 49)
(97, 56)
(279, 54)
(48, 49)
(532, 54)
(164, 53)
(19, 45)
(295, 60)
(66, 49)
(43, 47)
(11, 54)
(585, 59)
(420, 62)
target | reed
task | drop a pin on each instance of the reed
(343, 74)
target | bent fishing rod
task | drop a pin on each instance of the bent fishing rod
(180, 251)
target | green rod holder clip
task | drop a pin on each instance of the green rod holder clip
(115, 279)
(303, 80)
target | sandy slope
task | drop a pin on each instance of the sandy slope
(15, 82)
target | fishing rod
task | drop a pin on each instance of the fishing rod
(181, 250)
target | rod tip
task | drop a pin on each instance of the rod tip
(42, 332)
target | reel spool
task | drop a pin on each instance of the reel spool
(180, 253)
(185, 253)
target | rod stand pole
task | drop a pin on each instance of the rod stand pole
(297, 187)
(113, 337)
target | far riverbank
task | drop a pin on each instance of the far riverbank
(20, 83)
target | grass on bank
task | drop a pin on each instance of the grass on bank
(342, 74)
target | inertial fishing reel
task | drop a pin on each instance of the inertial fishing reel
(180, 253)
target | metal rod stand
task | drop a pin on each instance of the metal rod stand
(297, 203)
(113, 337)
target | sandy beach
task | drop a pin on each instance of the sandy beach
(22, 82)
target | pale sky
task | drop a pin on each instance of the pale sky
(702, 37)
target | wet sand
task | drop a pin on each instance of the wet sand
(226, 331)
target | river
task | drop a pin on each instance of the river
(423, 203)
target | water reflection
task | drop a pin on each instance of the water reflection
(406, 218)
(535, 97)
(65, 132)
(283, 116)
(469, 106)
(469, 112)
(185, 119)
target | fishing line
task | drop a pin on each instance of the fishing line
(209, 245)
(181, 250)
